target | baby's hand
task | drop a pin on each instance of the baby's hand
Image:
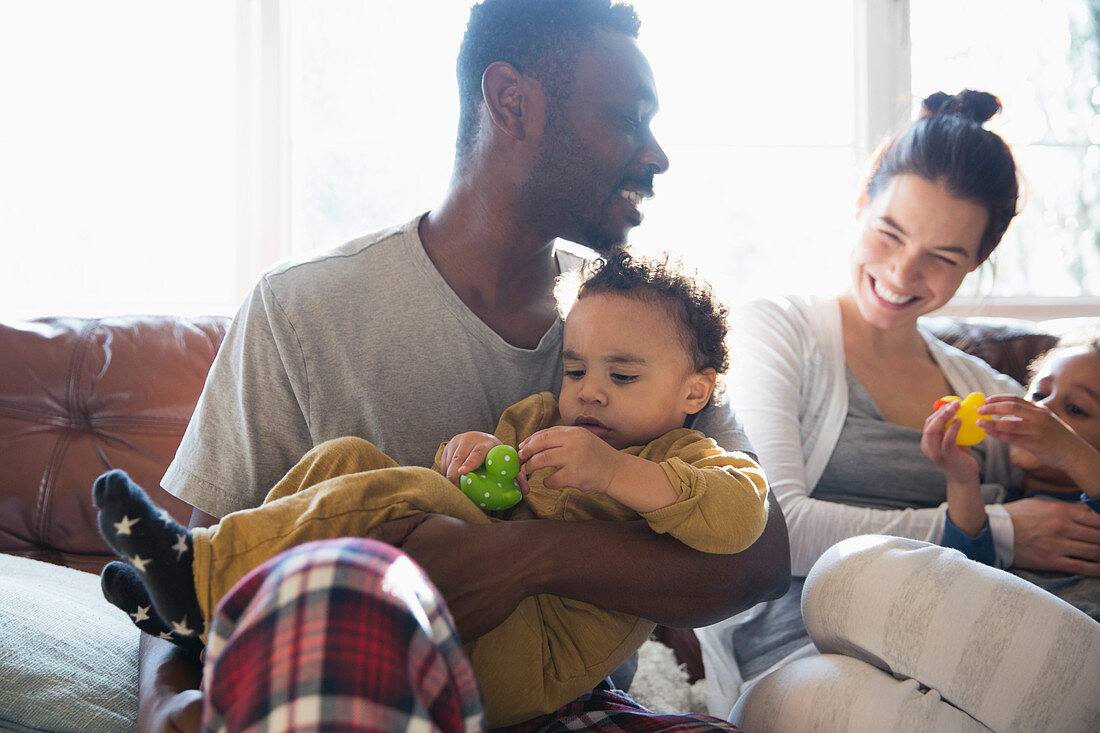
(583, 461)
(938, 443)
(464, 453)
(1034, 428)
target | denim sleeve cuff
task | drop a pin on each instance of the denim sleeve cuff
(1093, 504)
(979, 549)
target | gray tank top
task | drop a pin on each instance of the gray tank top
(879, 465)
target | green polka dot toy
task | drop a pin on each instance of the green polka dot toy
(493, 486)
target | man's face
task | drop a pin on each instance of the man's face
(598, 155)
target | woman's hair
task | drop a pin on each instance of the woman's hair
(689, 300)
(948, 145)
(1087, 337)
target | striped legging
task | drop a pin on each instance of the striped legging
(915, 637)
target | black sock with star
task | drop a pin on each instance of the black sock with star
(158, 548)
(124, 588)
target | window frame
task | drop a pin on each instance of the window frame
(883, 93)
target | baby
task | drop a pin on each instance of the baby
(1053, 436)
(643, 347)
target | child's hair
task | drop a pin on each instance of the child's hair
(1087, 337)
(689, 299)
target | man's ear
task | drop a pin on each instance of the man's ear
(700, 388)
(509, 98)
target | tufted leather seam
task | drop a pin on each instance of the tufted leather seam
(53, 468)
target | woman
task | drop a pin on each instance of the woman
(834, 392)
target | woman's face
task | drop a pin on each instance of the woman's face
(916, 244)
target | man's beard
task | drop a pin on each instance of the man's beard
(556, 201)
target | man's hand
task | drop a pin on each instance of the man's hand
(473, 566)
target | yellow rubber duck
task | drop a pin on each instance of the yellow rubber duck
(969, 432)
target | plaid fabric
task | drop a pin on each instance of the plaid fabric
(342, 635)
(348, 635)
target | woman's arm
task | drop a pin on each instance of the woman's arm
(771, 346)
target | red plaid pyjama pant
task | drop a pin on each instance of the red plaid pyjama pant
(350, 635)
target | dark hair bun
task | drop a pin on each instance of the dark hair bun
(968, 104)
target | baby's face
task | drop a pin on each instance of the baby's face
(1068, 384)
(627, 375)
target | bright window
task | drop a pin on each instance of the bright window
(116, 156)
(1042, 58)
(163, 154)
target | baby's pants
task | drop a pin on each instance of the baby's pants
(548, 652)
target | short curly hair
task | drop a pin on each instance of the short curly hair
(702, 317)
(540, 38)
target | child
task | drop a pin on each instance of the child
(1053, 436)
(643, 347)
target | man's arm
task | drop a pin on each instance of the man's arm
(483, 572)
(168, 681)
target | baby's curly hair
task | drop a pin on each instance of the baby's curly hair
(689, 298)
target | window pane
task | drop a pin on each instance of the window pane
(757, 116)
(116, 157)
(374, 106)
(1042, 58)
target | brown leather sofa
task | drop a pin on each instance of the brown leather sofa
(81, 396)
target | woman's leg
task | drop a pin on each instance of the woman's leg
(832, 693)
(337, 635)
(990, 644)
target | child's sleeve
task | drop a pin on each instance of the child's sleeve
(980, 548)
(722, 497)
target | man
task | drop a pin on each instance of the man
(412, 335)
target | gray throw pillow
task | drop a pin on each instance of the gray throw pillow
(68, 658)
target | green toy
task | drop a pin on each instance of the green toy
(493, 486)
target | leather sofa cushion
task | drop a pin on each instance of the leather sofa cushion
(81, 396)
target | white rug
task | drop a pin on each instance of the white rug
(661, 684)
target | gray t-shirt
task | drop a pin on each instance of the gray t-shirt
(365, 340)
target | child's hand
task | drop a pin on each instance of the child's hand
(1033, 428)
(583, 461)
(464, 453)
(938, 443)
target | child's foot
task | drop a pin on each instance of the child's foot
(124, 588)
(154, 544)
